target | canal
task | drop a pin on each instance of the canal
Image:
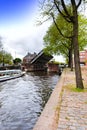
(23, 99)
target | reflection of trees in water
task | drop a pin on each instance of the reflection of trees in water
(42, 73)
(45, 94)
(28, 96)
(45, 83)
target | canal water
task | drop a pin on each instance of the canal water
(23, 99)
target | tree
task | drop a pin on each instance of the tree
(7, 58)
(0, 57)
(1, 44)
(56, 44)
(1, 50)
(55, 7)
(17, 61)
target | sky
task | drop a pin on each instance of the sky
(18, 27)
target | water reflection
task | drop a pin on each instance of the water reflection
(23, 99)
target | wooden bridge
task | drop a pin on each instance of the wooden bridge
(38, 62)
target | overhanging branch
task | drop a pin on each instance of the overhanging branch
(59, 28)
(79, 3)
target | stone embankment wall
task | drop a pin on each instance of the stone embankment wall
(10, 67)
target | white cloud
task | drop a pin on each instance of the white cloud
(23, 37)
(19, 38)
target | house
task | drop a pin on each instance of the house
(28, 57)
(83, 57)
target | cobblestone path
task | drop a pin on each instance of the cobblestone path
(73, 111)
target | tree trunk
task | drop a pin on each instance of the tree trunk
(71, 54)
(70, 59)
(70, 62)
(79, 83)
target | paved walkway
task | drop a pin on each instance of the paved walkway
(66, 108)
(73, 110)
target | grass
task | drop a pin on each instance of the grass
(78, 90)
(85, 102)
(72, 88)
(59, 104)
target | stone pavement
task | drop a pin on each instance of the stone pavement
(66, 109)
(73, 109)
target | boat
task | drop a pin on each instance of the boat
(10, 74)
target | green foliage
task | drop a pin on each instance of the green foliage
(72, 87)
(17, 60)
(82, 32)
(77, 90)
(1, 57)
(1, 49)
(8, 58)
(5, 57)
(55, 43)
(1, 43)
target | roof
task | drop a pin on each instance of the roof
(29, 56)
(41, 57)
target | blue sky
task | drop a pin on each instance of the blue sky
(18, 29)
(15, 10)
